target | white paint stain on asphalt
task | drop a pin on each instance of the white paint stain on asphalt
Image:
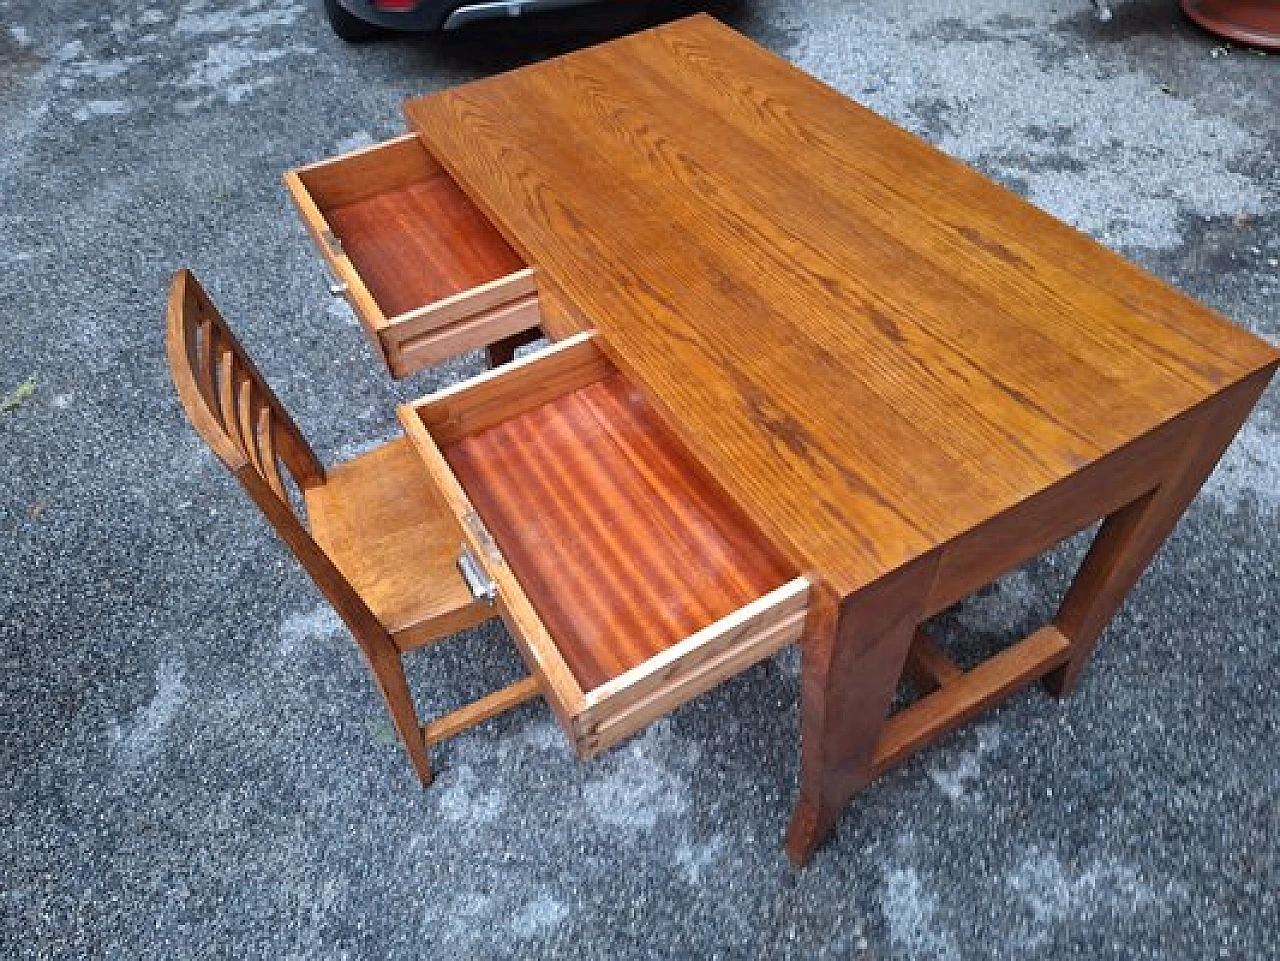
(358, 139)
(69, 51)
(300, 629)
(955, 781)
(544, 736)
(1054, 895)
(231, 68)
(227, 53)
(340, 312)
(464, 799)
(910, 911)
(137, 742)
(100, 108)
(702, 859)
(100, 71)
(538, 916)
(240, 20)
(227, 59)
(638, 787)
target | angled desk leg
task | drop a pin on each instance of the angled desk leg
(1129, 538)
(855, 651)
(853, 654)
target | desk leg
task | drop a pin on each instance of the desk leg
(853, 654)
(1129, 538)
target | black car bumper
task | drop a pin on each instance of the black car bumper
(449, 14)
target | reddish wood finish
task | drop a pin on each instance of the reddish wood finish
(854, 653)
(623, 547)
(419, 243)
(928, 666)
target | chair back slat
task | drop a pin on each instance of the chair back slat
(246, 405)
(204, 347)
(266, 442)
(226, 374)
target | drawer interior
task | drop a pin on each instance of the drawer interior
(408, 229)
(622, 546)
(630, 580)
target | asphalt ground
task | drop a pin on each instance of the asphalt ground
(196, 764)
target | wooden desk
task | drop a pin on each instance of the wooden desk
(909, 379)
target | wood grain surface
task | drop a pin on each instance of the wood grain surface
(872, 347)
(623, 547)
(420, 242)
(395, 541)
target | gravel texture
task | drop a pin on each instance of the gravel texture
(196, 763)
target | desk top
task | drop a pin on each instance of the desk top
(871, 346)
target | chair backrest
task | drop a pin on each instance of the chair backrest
(238, 415)
(227, 399)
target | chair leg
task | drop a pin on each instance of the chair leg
(388, 670)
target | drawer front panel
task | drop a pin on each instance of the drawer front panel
(696, 665)
(474, 320)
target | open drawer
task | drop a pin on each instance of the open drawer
(629, 580)
(427, 274)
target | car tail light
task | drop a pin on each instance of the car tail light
(394, 6)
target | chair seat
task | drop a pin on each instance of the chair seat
(392, 535)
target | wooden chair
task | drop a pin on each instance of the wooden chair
(382, 543)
